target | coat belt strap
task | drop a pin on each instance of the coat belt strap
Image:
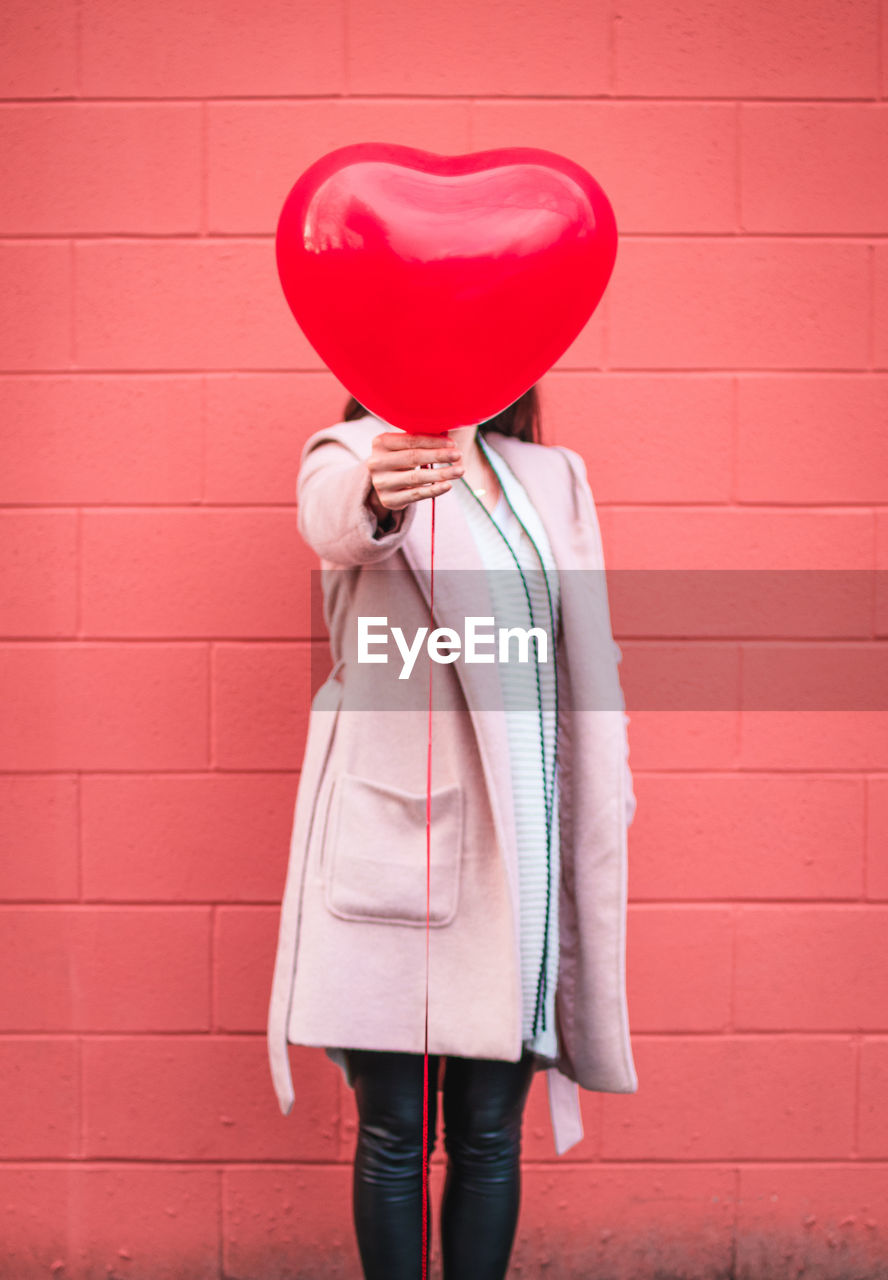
(564, 1108)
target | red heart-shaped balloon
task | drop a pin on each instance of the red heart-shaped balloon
(439, 289)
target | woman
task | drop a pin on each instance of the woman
(531, 798)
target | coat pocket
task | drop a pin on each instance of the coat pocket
(374, 854)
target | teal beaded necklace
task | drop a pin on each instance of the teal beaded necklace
(549, 797)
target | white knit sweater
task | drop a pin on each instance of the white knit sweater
(523, 697)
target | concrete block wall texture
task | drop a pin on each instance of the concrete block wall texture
(730, 399)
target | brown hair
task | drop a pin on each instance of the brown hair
(521, 419)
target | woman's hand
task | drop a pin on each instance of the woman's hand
(395, 468)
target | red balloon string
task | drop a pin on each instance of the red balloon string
(425, 1060)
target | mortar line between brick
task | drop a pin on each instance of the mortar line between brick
(181, 1035)
(341, 1086)
(613, 19)
(730, 1030)
(228, 1164)
(204, 169)
(738, 715)
(648, 904)
(81, 1109)
(857, 1041)
(78, 48)
(220, 1215)
(72, 304)
(78, 783)
(874, 511)
(78, 575)
(280, 99)
(735, 1222)
(738, 157)
(211, 657)
(866, 800)
(734, 394)
(346, 18)
(211, 983)
(871, 290)
(202, 410)
(880, 93)
(78, 808)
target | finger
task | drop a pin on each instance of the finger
(426, 491)
(409, 459)
(415, 477)
(406, 460)
(398, 440)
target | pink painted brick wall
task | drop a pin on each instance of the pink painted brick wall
(730, 397)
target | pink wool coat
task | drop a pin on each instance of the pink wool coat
(351, 953)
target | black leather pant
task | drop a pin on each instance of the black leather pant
(483, 1109)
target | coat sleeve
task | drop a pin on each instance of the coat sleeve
(578, 467)
(332, 512)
